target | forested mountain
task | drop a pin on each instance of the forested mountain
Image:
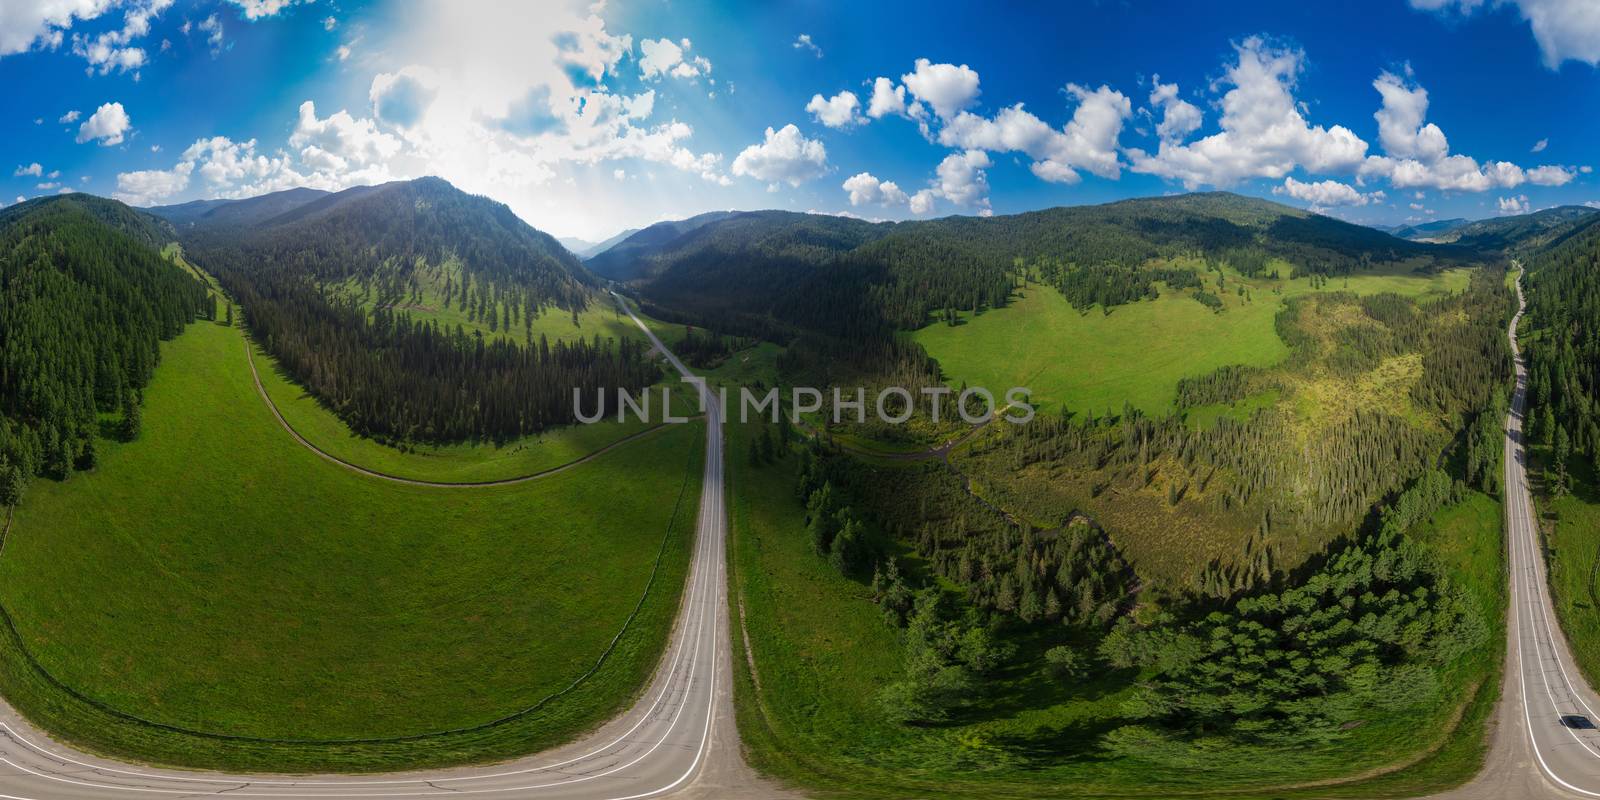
(1564, 352)
(85, 297)
(1521, 232)
(237, 213)
(347, 291)
(1428, 231)
(629, 258)
(777, 270)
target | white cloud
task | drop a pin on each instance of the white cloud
(922, 202)
(1088, 141)
(962, 179)
(55, 173)
(26, 25)
(1549, 175)
(113, 50)
(947, 88)
(1179, 117)
(1539, 146)
(887, 98)
(666, 57)
(403, 98)
(784, 157)
(33, 170)
(1417, 154)
(108, 124)
(803, 42)
(1401, 130)
(330, 23)
(1264, 132)
(212, 27)
(840, 111)
(146, 187)
(865, 189)
(1564, 29)
(257, 9)
(69, 117)
(1514, 205)
(1325, 194)
(340, 142)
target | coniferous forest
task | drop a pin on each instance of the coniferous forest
(85, 298)
(388, 373)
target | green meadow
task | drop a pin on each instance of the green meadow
(1096, 360)
(217, 577)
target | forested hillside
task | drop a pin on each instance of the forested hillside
(249, 211)
(1563, 348)
(629, 257)
(347, 291)
(85, 297)
(776, 272)
(1523, 232)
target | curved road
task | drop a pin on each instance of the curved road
(678, 740)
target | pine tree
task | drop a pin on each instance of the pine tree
(132, 419)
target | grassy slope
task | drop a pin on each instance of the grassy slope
(601, 317)
(821, 652)
(1571, 527)
(215, 575)
(1138, 352)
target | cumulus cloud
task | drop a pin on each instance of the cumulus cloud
(946, 88)
(1179, 117)
(803, 42)
(887, 98)
(257, 9)
(785, 156)
(866, 189)
(1539, 146)
(341, 143)
(113, 50)
(108, 124)
(41, 23)
(402, 98)
(962, 180)
(1401, 129)
(69, 117)
(840, 111)
(33, 170)
(1264, 132)
(1565, 29)
(665, 57)
(1088, 141)
(1417, 153)
(1325, 194)
(1514, 205)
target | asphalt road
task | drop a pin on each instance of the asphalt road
(679, 740)
(1545, 742)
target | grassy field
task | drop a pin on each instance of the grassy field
(1094, 361)
(819, 651)
(216, 576)
(1571, 527)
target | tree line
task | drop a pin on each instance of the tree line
(85, 300)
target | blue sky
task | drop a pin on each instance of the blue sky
(589, 118)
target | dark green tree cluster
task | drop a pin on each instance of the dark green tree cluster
(1561, 336)
(85, 299)
(392, 377)
(1367, 630)
(946, 660)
